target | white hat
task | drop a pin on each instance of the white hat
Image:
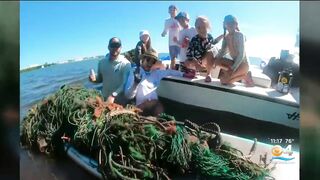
(144, 32)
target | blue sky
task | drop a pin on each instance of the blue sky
(57, 31)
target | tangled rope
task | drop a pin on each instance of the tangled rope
(129, 146)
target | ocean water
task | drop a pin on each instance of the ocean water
(39, 83)
(36, 84)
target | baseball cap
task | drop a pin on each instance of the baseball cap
(172, 6)
(183, 15)
(230, 19)
(114, 42)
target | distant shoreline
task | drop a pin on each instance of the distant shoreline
(36, 67)
(128, 54)
(62, 62)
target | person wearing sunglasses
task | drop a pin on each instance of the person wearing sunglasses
(112, 73)
(144, 90)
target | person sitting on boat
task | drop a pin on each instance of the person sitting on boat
(144, 89)
(112, 73)
(185, 36)
(233, 43)
(142, 46)
(200, 48)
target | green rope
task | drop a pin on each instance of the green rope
(180, 152)
(127, 145)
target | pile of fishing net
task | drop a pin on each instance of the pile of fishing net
(129, 146)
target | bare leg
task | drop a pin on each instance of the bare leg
(192, 64)
(208, 61)
(188, 64)
(225, 77)
(173, 55)
(225, 64)
(239, 74)
(173, 63)
(237, 78)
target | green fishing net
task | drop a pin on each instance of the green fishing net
(127, 145)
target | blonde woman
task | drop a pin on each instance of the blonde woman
(233, 43)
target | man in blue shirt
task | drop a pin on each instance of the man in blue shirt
(112, 73)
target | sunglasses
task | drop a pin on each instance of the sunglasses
(150, 60)
(115, 45)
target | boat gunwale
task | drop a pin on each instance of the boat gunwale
(243, 93)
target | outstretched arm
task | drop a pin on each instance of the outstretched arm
(169, 72)
(165, 30)
(99, 74)
(218, 39)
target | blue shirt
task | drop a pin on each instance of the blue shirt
(113, 74)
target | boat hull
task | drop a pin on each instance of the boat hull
(259, 103)
(284, 169)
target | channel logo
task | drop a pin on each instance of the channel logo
(282, 154)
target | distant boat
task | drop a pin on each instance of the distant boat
(42, 66)
(164, 56)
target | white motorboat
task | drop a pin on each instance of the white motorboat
(260, 102)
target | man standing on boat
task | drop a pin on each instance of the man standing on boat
(112, 73)
(171, 25)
